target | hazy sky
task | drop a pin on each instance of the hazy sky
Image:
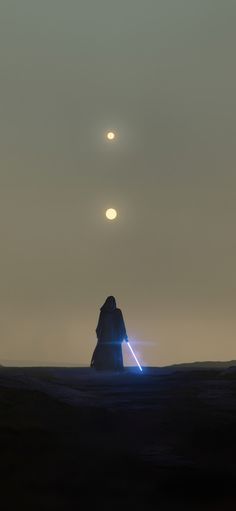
(162, 74)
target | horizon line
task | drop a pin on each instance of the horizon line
(33, 363)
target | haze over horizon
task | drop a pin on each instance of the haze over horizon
(161, 74)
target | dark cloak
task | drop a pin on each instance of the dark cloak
(110, 332)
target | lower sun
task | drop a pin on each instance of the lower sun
(111, 214)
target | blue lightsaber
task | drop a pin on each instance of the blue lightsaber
(134, 356)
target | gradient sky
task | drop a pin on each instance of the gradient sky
(162, 74)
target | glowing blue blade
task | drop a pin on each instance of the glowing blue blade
(134, 356)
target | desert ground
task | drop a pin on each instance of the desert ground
(73, 438)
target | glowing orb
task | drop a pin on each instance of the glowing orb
(111, 214)
(110, 135)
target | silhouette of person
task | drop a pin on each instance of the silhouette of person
(111, 332)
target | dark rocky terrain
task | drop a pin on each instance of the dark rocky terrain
(162, 439)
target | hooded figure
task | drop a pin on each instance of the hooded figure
(110, 332)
